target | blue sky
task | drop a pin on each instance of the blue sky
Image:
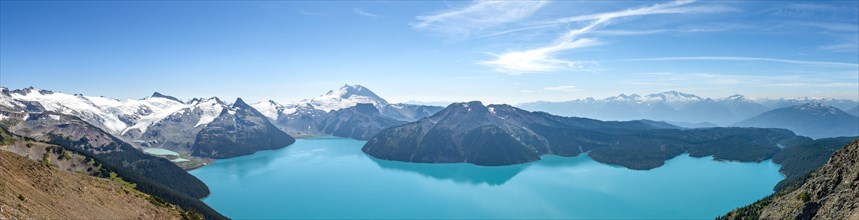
(497, 52)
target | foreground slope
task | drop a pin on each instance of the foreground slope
(502, 135)
(30, 190)
(831, 192)
(814, 119)
(152, 175)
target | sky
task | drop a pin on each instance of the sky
(493, 51)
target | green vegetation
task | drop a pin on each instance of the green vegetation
(21, 197)
(152, 175)
(6, 141)
(116, 178)
(191, 215)
(46, 158)
(752, 211)
(158, 201)
(29, 145)
(803, 155)
(803, 196)
(67, 155)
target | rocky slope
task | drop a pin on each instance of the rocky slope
(361, 122)
(815, 120)
(30, 190)
(831, 192)
(239, 130)
(152, 175)
(502, 134)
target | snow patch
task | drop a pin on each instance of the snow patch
(211, 109)
(55, 117)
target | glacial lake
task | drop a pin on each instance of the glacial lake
(331, 178)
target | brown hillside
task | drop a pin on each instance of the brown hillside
(30, 190)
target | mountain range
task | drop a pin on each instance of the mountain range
(675, 106)
(502, 134)
(161, 121)
(814, 119)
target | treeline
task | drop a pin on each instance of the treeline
(152, 175)
(804, 155)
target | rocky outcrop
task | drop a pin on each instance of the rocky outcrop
(831, 192)
(239, 130)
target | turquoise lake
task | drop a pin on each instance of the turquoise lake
(331, 178)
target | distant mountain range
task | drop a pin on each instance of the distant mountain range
(815, 120)
(675, 106)
(502, 135)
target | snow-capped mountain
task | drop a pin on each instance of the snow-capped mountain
(346, 96)
(115, 116)
(308, 117)
(673, 106)
(155, 121)
(673, 97)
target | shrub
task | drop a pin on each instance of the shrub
(803, 197)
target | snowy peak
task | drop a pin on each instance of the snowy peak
(818, 108)
(159, 95)
(268, 108)
(347, 96)
(624, 98)
(673, 97)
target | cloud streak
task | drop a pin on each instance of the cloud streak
(477, 16)
(361, 12)
(567, 88)
(544, 59)
(733, 58)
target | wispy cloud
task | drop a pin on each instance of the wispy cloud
(830, 26)
(566, 88)
(540, 59)
(842, 47)
(361, 12)
(304, 12)
(544, 59)
(629, 32)
(732, 58)
(822, 85)
(477, 16)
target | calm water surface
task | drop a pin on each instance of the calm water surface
(332, 178)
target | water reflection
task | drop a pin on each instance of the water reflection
(473, 174)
